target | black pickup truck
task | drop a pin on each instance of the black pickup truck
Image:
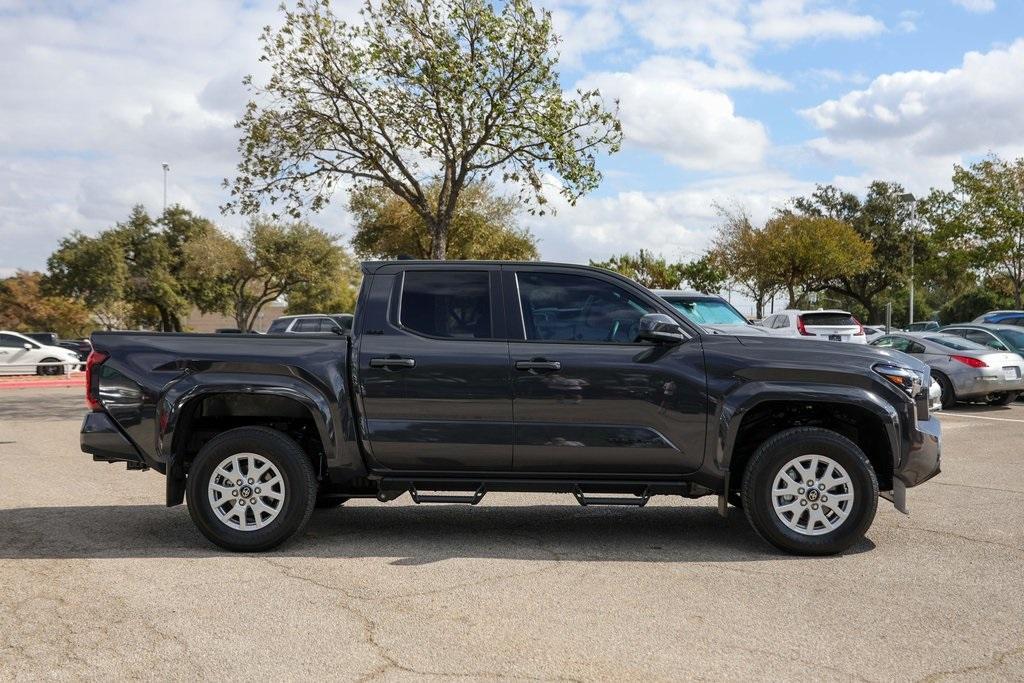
(461, 378)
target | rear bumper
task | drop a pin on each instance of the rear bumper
(986, 382)
(101, 437)
(923, 459)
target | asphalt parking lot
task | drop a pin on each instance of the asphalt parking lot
(99, 580)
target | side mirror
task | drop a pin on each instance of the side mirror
(27, 346)
(661, 329)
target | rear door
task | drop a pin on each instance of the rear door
(433, 369)
(589, 398)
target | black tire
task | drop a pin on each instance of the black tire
(766, 464)
(49, 370)
(329, 502)
(735, 499)
(948, 393)
(1002, 399)
(299, 485)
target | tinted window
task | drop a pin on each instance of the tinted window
(561, 307)
(453, 304)
(1015, 338)
(707, 311)
(307, 325)
(898, 343)
(982, 338)
(279, 325)
(11, 342)
(828, 319)
(344, 322)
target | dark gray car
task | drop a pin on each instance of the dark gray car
(965, 370)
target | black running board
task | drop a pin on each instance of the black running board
(471, 499)
(636, 500)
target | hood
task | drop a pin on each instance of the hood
(819, 351)
(745, 330)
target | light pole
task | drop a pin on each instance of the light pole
(912, 201)
(167, 167)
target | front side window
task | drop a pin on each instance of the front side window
(984, 339)
(453, 304)
(898, 343)
(9, 341)
(563, 307)
(279, 325)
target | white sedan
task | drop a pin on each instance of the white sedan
(20, 355)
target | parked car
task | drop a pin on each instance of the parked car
(824, 325)
(871, 333)
(21, 355)
(964, 370)
(999, 337)
(923, 326)
(461, 378)
(711, 312)
(1001, 318)
(44, 338)
(81, 347)
(312, 323)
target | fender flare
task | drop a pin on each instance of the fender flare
(331, 417)
(737, 404)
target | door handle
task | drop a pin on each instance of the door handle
(538, 365)
(392, 363)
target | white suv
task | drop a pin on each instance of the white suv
(824, 325)
(20, 355)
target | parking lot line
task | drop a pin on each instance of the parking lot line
(980, 417)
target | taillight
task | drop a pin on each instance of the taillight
(800, 327)
(92, 398)
(967, 360)
(860, 329)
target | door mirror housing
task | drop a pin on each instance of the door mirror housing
(661, 329)
(27, 346)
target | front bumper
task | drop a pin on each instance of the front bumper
(923, 458)
(101, 437)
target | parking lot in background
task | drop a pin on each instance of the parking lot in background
(99, 579)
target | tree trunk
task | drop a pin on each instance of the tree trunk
(791, 289)
(439, 239)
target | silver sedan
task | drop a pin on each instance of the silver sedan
(964, 370)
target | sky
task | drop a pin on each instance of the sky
(723, 102)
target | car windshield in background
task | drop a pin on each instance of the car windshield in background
(830, 319)
(956, 343)
(1015, 338)
(708, 311)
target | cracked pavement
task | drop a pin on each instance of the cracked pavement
(99, 580)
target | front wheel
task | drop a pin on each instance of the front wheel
(251, 489)
(49, 370)
(810, 491)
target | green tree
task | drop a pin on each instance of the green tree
(742, 251)
(25, 307)
(451, 91)
(883, 220)
(334, 294)
(806, 253)
(482, 227)
(271, 261)
(981, 221)
(971, 304)
(705, 274)
(645, 268)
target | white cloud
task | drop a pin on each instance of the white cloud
(584, 26)
(714, 27)
(788, 21)
(976, 5)
(922, 121)
(692, 127)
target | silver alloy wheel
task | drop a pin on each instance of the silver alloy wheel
(812, 494)
(246, 491)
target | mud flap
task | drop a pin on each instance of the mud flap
(898, 496)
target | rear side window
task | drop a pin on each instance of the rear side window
(279, 325)
(307, 325)
(453, 304)
(828, 319)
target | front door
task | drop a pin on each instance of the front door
(589, 398)
(433, 373)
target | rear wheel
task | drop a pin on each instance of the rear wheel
(810, 491)
(250, 489)
(948, 395)
(1001, 399)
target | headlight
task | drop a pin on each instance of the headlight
(904, 378)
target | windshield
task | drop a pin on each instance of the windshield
(1015, 338)
(956, 343)
(708, 311)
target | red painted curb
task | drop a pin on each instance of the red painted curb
(43, 384)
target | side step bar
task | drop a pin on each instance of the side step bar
(637, 500)
(471, 499)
